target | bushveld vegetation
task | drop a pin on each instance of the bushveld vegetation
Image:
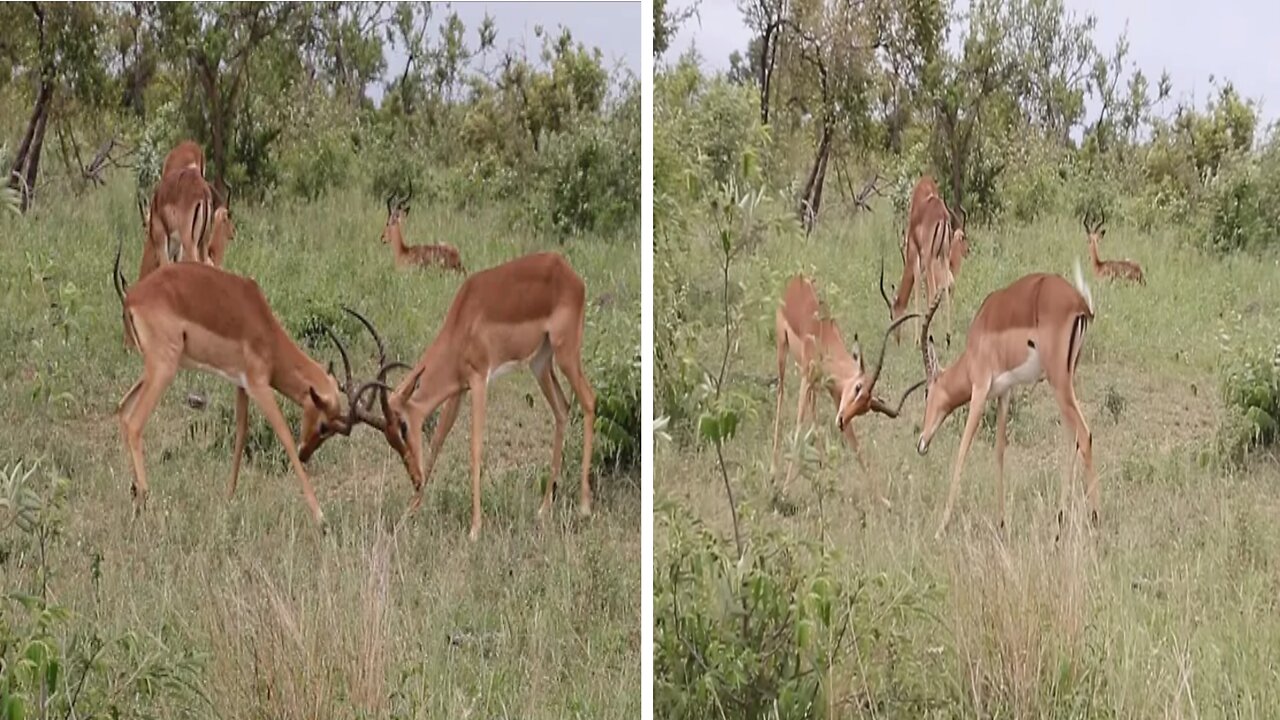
(209, 607)
(810, 599)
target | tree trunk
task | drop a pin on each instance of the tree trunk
(33, 157)
(26, 162)
(811, 199)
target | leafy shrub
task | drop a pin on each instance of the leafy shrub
(51, 663)
(617, 441)
(1251, 391)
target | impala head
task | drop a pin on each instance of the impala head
(322, 405)
(1096, 231)
(332, 421)
(959, 218)
(222, 231)
(397, 209)
(857, 396)
(938, 402)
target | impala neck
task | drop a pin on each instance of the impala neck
(397, 238)
(437, 377)
(1093, 252)
(903, 297)
(953, 386)
(294, 374)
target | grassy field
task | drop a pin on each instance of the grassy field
(1169, 609)
(272, 619)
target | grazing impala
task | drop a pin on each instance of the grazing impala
(178, 220)
(1109, 269)
(931, 248)
(186, 154)
(440, 254)
(812, 339)
(168, 317)
(526, 311)
(1029, 331)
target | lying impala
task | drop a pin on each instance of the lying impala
(526, 311)
(813, 340)
(168, 317)
(1109, 269)
(440, 254)
(1027, 332)
(931, 248)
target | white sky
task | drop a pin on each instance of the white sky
(613, 27)
(1193, 39)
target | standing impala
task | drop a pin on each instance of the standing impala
(526, 311)
(931, 249)
(169, 318)
(186, 154)
(1029, 331)
(178, 220)
(813, 340)
(1109, 269)
(439, 254)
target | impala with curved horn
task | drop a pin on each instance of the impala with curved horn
(1109, 269)
(528, 311)
(805, 333)
(168, 317)
(430, 255)
(1029, 331)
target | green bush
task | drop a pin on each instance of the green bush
(617, 388)
(1251, 391)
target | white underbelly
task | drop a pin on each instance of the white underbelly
(1029, 372)
(235, 378)
(503, 369)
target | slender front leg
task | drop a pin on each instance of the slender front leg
(477, 445)
(976, 404)
(136, 408)
(242, 429)
(266, 402)
(801, 407)
(448, 414)
(560, 411)
(782, 387)
(1002, 419)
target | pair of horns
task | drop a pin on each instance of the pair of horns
(1102, 220)
(401, 203)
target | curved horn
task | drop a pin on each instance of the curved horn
(405, 202)
(883, 294)
(884, 343)
(346, 361)
(382, 349)
(924, 332)
(892, 412)
(117, 277)
(1101, 220)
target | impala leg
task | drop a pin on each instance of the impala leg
(1002, 441)
(569, 359)
(976, 405)
(801, 407)
(135, 409)
(949, 301)
(560, 410)
(448, 414)
(242, 428)
(266, 402)
(782, 388)
(478, 402)
(1084, 445)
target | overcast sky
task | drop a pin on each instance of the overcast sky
(614, 27)
(1192, 39)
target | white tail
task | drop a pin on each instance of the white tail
(1083, 287)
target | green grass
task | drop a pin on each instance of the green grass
(373, 620)
(1168, 610)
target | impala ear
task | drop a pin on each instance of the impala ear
(856, 351)
(317, 400)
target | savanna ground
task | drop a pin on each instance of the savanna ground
(1168, 609)
(209, 607)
